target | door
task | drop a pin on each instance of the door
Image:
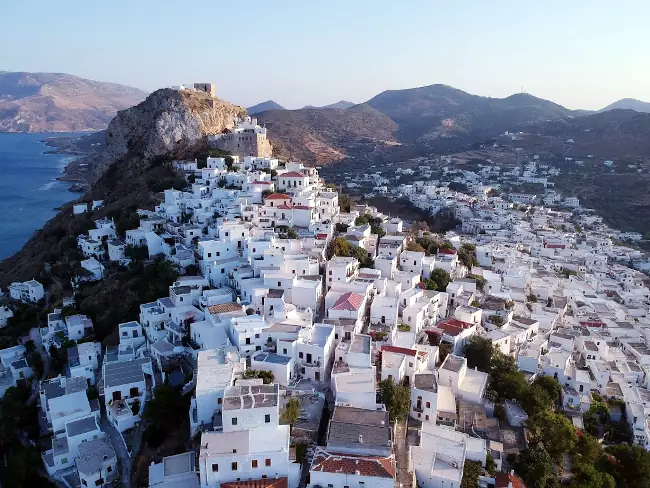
(117, 395)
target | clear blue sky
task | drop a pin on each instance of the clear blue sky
(579, 53)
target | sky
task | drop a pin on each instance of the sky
(578, 53)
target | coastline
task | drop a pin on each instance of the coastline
(78, 170)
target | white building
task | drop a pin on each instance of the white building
(27, 292)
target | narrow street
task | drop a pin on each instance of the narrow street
(403, 478)
(35, 335)
(121, 451)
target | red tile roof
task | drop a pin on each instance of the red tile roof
(285, 206)
(444, 250)
(332, 462)
(555, 246)
(399, 350)
(321, 236)
(349, 301)
(293, 174)
(225, 308)
(592, 323)
(262, 483)
(301, 207)
(503, 480)
(453, 327)
(278, 196)
(261, 182)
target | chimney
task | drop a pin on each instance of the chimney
(360, 439)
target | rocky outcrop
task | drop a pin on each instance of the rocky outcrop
(168, 123)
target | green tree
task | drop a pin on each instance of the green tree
(345, 202)
(478, 352)
(534, 466)
(535, 400)
(266, 376)
(338, 246)
(397, 399)
(497, 320)
(441, 279)
(291, 412)
(467, 256)
(554, 431)
(229, 162)
(551, 386)
(490, 464)
(471, 471)
(415, 247)
(163, 410)
(630, 466)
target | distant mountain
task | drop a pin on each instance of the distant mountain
(57, 102)
(418, 120)
(263, 107)
(342, 104)
(628, 104)
(324, 135)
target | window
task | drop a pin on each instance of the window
(300, 355)
(209, 254)
(279, 283)
(410, 365)
(254, 463)
(233, 466)
(267, 462)
(223, 270)
(428, 404)
(234, 421)
(234, 451)
(64, 461)
(109, 469)
(284, 350)
(215, 468)
(219, 400)
(267, 418)
(99, 482)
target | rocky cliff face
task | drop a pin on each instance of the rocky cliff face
(130, 172)
(167, 123)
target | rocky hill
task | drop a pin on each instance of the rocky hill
(57, 102)
(628, 104)
(325, 135)
(132, 169)
(420, 120)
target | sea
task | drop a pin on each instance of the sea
(29, 190)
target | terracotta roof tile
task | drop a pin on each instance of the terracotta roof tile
(399, 350)
(224, 308)
(261, 483)
(293, 174)
(332, 462)
(349, 301)
(278, 196)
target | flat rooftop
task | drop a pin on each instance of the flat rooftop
(124, 372)
(453, 363)
(246, 397)
(426, 381)
(270, 357)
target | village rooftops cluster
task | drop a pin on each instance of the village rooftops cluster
(265, 317)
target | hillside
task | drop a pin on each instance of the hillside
(57, 102)
(322, 136)
(340, 104)
(131, 171)
(263, 107)
(628, 104)
(422, 120)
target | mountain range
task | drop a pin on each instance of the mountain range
(57, 102)
(273, 105)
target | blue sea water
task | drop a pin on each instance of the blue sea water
(29, 191)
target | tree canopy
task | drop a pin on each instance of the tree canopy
(397, 399)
